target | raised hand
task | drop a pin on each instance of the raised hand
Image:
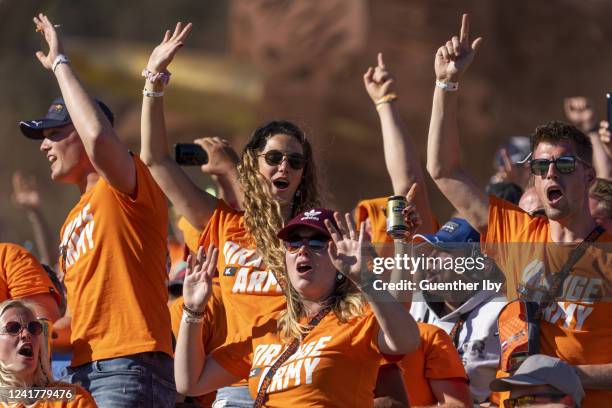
(221, 156)
(453, 58)
(579, 111)
(378, 81)
(25, 193)
(163, 54)
(605, 136)
(411, 215)
(197, 285)
(348, 251)
(47, 29)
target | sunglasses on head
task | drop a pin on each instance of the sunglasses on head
(315, 244)
(14, 328)
(275, 158)
(563, 164)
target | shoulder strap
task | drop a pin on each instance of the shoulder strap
(576, 254)
(289, 351)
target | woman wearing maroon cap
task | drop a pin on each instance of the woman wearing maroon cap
(325, 348)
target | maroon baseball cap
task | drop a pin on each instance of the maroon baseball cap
(313, 219)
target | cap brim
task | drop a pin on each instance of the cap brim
(505, 384)
(33, 129)
(288, 231)
(429, 238)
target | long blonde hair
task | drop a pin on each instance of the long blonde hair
(42, 375)
(262, 216)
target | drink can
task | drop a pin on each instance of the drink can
(396, 227)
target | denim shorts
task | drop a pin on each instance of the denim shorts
(141, 380)
(233, 397)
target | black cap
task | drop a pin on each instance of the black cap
(56, 116)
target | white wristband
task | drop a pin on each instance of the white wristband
(190, 319)
(60, 59)
(448, 86)
(152, 94)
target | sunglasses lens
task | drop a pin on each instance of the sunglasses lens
(539, 167)
(566, 165)
(273, 157)
(317, 245)
(293, 246)
(296, 161)
(12, 327)
(35, 328)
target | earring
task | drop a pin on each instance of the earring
(339, 277)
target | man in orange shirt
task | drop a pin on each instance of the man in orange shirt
(576, 329)
(113, 248)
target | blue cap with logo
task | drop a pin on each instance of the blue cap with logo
(456, 230)
(56, 116)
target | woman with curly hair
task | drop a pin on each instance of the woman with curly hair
(337, 325)
(25, 363)
(277, 177)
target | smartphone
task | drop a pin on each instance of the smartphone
(190, 154)
(609, 100)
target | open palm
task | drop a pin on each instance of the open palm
(197, 285)
(163, 54)
(349, 251)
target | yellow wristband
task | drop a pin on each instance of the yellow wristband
(385, 99)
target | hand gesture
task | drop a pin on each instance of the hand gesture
(412, 219)
(605, 136)
(579, 111)
(453, 58)
(25, 194)
(347, 251)
(163, 54)
(47, 29)
(378, 81)
(221, 157)
(197, 285)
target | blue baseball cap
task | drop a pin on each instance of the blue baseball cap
(56, 116)
(456, 230)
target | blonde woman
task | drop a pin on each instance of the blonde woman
(325, 348)
(277, 177)
(24, 362)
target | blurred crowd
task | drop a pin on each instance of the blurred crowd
(156, 293)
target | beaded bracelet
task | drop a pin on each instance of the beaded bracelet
(152, 77)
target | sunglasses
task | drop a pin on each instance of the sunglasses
(275, 158)
(317, 245)
(529, 400)
(563, 164)
(14, 328)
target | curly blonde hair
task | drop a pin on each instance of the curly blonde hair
(42, 375)
(262, 216)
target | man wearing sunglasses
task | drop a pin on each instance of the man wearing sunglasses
(541, 381)
(576, 329)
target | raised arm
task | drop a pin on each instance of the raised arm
(443, 157)
(108, 155)
(399, 333)
(194, 372)
(401, 158)
(194, 204)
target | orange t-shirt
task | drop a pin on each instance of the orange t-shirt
(213, 332)
(248, 289)
(316, 374)
(21, 275)
(82, 399)
(578, 329)
(191, 235)
(114, 257)
(374, 209)
(435, 359)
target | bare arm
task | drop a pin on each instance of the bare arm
(26, 195)
(194, 372)
(401, 158)
(443, 158)
(222, 167)
(46, 306)
(108, 155)
(602, 157)
(190, 201)
(453, 391)
(595, 376)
